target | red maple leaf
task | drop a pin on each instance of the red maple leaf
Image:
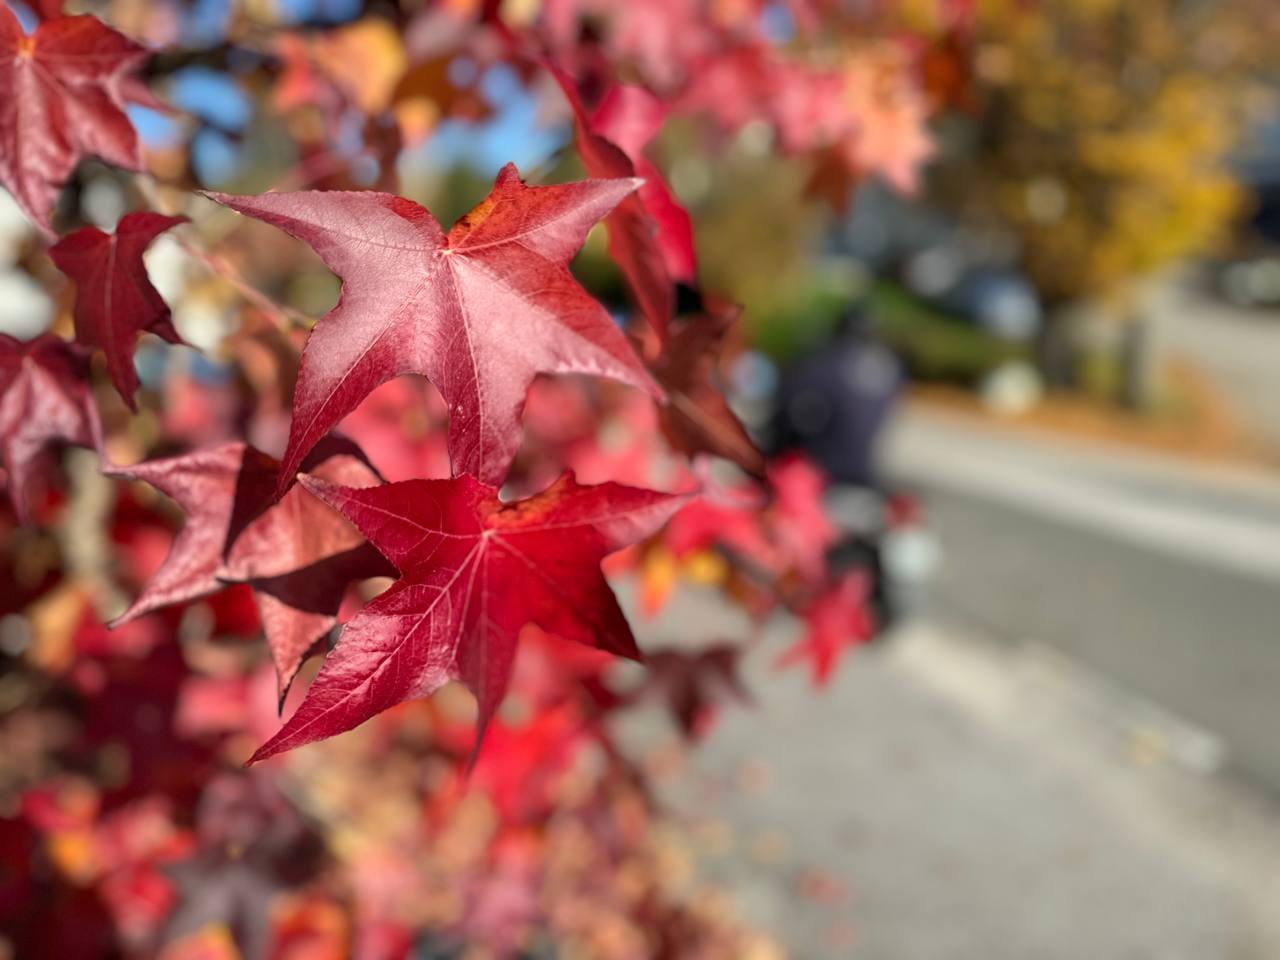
(474, 572)
(44, 396)
(65, 90)
(741, 530)
(480, 311)
(115, 300)
(650, 234)
(297, 555)
(838, 619)
(798, 516)
(524, 763)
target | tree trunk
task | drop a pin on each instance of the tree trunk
(1056, 349)
(1137, 364)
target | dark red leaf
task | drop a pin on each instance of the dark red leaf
(692, 684)
(474, 572)
(480, 312)
(65, 88)
(44, 396)
(296, 554)
(697, 417)
(115, 300)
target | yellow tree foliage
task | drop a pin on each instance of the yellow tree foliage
(1103, 136)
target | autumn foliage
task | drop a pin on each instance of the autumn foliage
(430, 487)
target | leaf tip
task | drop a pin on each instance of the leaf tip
(318, 488)
(482, 725)
(267, 750)
(229, 200)
(129, 614)
(509, 174)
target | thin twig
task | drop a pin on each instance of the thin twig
(284, 317)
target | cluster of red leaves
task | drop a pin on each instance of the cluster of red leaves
(129, 830)
(862, 115)
(494, 542)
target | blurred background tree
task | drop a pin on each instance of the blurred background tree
(1099, 143)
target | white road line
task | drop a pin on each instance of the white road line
(1247, 546)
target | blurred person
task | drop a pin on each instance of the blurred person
(832, 405)
(833, 402)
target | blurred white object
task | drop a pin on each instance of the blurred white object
(203, 324)
(859, 509)
(103, 203)
(911, 556)
(169, 267)
(28, 311)
(1011, 388)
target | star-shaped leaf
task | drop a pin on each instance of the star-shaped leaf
(480, 311)
(474, 572)
(115, 300)
(44, 396)
(296, 554)
(840, 618)
(63, 92)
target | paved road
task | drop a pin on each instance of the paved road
(1163, 577)
(1238, 349)
(952, 798)
(988, 786)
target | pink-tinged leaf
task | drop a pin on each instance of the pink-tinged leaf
(474, 572)
(479, 312)
(798, 515)
(631, 117)
(296, 554)
(63, 92)
(44, 397)
(839, 619)
(650, 234)
(115, 300)
(892, 137)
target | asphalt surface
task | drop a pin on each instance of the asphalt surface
(1238, 348)
(954, 798)
(1161, 576)
(1056, 756)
